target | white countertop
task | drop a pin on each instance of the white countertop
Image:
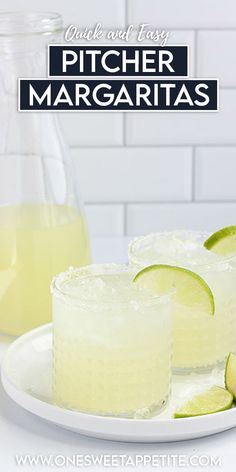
(22, 433)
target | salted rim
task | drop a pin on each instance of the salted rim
(72, 273)
(134, 258)
(24, 23)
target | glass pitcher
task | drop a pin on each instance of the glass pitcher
(42, 224)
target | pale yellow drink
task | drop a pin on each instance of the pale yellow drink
(36, 242)
(112, 344)
(200, 341)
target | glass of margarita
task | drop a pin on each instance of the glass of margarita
(200, 341)
(112, 343)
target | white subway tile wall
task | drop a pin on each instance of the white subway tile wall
(184, 14)
(135, 174)
(215, 174)
(165, 216)
(216, 56)
(173, 128)
(93, 129)
(105, 219)
(141, 172)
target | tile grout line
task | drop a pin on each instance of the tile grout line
(178, 28)
(124, 130)
(125, 222)
(152, 146)
(126, 13)
(195, 53)
(124, 114)
(193, 172)
(160, 202)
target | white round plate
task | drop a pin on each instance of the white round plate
(26, 377)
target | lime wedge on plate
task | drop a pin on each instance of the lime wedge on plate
(223, 242)
(191, 289)
(211, 401)
(230, 374)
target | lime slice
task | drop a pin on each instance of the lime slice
(211, 401)
(223, 242)
(191, 289)
(230, 374)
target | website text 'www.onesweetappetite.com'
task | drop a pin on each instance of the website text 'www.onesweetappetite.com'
(118, 460)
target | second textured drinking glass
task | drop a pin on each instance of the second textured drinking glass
(200, 341)
(112, 343)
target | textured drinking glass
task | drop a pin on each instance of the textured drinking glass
(200, 341)
(42, 224)
(112, 343)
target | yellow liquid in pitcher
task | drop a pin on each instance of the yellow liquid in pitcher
(36, 242)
